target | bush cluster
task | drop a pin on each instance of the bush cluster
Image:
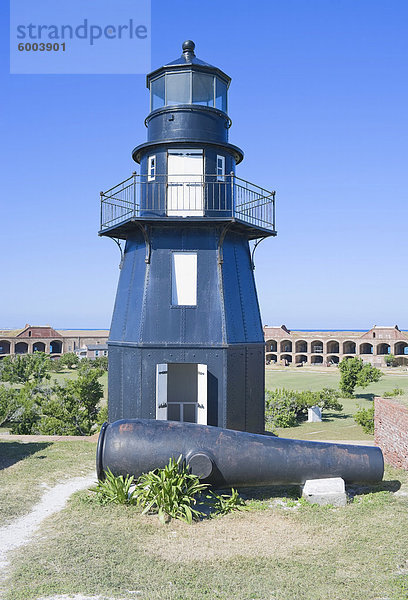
(395, 392)
(33, 405)
(284, 408)
(365, 418)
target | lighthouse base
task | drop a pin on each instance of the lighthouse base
(220, 386)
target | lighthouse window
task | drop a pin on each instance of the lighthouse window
(177, 88)
(220, 168)
(184, 279)
(151, 168)
(157, 93)
(220, 94)
(203, 89)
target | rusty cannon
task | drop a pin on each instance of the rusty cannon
(228, 458)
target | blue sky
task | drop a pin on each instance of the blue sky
(318, 99)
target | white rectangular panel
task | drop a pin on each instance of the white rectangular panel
(202, 394)
(161, 392)
(184, 279)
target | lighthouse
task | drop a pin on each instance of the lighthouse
(186, 341)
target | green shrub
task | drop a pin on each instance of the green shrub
(69, 360)
(102, 416)
(222, 504)
(101, 362)
(280, 409)
(170, 492)
(115, 489)
(284, 408)
(8, 403)
(70, 408)
(28, 367)
(27, 415)
(56, 366)
(390, 360)
(365, 418)
(394, 392)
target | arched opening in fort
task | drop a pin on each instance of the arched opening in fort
(55, 347)
(383, 349)
(401, 348)
(270, 358)
(21, 348)
(349, 347)
(271, 346)
(4, 347)
(39, 347)
(286, 346)
(401, 361)
(366, 348)
(300, 358)
(317, 346)
(301, 346)
(333, 360)
(286, 358)
(333, 347)
(317, 360)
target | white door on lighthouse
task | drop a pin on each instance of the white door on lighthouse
(181, 392)
(185, 183)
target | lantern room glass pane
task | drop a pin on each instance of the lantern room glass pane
(177, 88)
(220, 94)
(203, 89)
(157, 93)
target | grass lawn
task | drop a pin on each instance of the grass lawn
(335, 426)
(27, 468)
(277, 549)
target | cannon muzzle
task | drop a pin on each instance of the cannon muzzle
(227, 458)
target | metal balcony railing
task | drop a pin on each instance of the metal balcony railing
(189, 195)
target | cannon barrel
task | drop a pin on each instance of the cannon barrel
(225, 458)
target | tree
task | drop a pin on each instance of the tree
(390, 360)
(356, 373)
(27, 415)
(72, 408)
(70, 359)
(21, 369)
(101, 362)
(8, 403)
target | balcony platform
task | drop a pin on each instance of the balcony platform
(190, 199)
(122, 229)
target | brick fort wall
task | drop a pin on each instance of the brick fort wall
(391, 431)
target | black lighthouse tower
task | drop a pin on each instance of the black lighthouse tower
(186, 341)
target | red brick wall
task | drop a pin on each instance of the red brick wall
(391, 431)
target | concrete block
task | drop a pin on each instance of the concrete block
(325, 491)
(314, 414)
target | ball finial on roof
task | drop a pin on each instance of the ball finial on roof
(188, 46)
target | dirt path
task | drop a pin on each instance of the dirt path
(19, 532)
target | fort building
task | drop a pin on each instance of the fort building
(286, 347)
(44, 338)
